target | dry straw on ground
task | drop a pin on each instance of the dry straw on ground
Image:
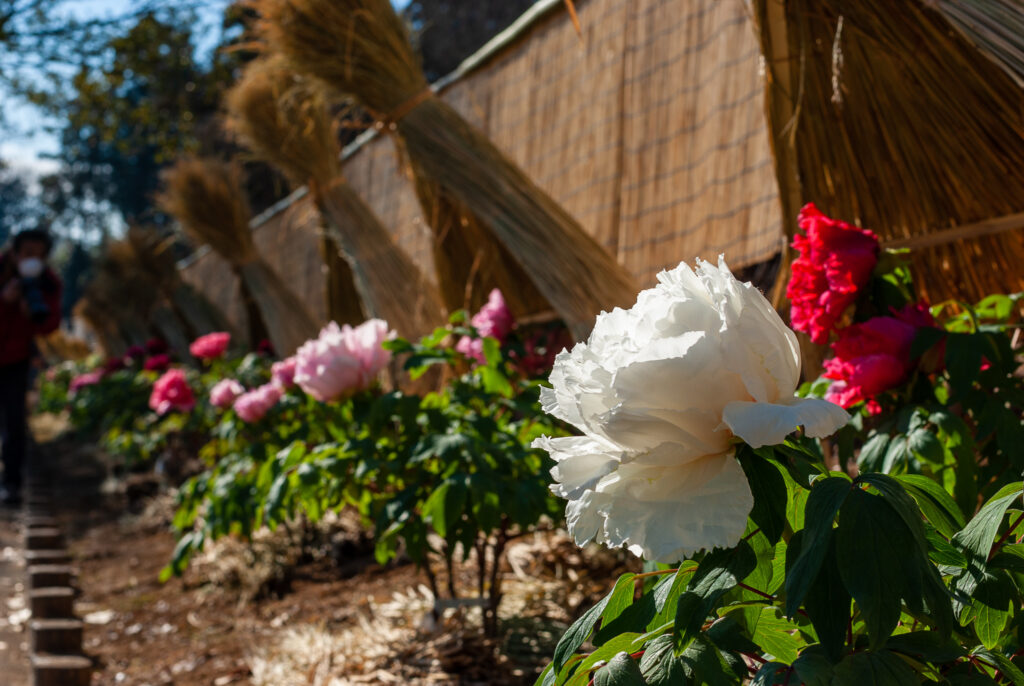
(360, 47)
(207, 197)
(285, 121)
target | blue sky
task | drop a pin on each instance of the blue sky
(26, 143)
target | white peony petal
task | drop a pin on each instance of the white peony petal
(582, 461)
(761, 424)
(668, 513)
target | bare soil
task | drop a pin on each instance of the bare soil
(192, 631)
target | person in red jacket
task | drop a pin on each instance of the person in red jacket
(30, 295)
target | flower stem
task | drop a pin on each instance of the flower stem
(1002, 539)
(655, 573)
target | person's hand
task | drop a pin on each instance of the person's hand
(11, 291)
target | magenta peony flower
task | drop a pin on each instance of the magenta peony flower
(494, 320)
(113, 364)
(254, 405)
(835, 262)
(283, 373)
(83, 380)
(172, 392)
(211, 346)
(135, 352)
(224, 392)
(157, 363)
(342, 360)
(874, 356)
(155, 346)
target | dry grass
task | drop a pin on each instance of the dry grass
(360, 47)
(206, 196)
(283, 120)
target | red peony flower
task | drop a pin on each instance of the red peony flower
(155, 346)
(172, 392)
(112, 365)
(157, 363)
(211, 346)
(874, 356)
(836, 260)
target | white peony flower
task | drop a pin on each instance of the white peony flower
(661, 392)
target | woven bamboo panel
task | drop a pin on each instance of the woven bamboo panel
(649, 130)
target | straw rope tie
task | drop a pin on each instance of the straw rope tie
(390, 121)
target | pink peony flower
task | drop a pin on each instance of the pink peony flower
(224, 392)
(211, 346)
(83, 380)
(342, 360)
(494, 320)
(172, 392)
(254, 405)
(283, 373)
(157, 363)
(835, 262)
(874, 356)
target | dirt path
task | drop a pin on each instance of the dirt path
(14, 669)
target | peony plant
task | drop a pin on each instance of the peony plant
(886, 553)
(662, 393)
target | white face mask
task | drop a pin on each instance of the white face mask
(31, 267)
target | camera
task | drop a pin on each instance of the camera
(32, 293)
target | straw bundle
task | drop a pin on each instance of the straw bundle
(104, 328)
(132, 295)
(206, 196)
(285, 121)
(899, 124)
(360, 47)
(154, 255)
(995, 26)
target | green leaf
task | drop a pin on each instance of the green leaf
(813, 668)
(619, 600)
(1003, 664)
(770, 494)
(875, 551)
(777, 636)
(772, 674)
(659, 664)
(881, 668)
(976, 539)
(991, 607)
(926, 446)
(941, 551)
(581, 670)
(823, 504)
(621, 670)
(702, 664)
(936, 504)
(580, 630)
(928, 646)
(872, 454)
(827, 602)
(719, 572)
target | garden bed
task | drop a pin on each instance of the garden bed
(334, 619)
